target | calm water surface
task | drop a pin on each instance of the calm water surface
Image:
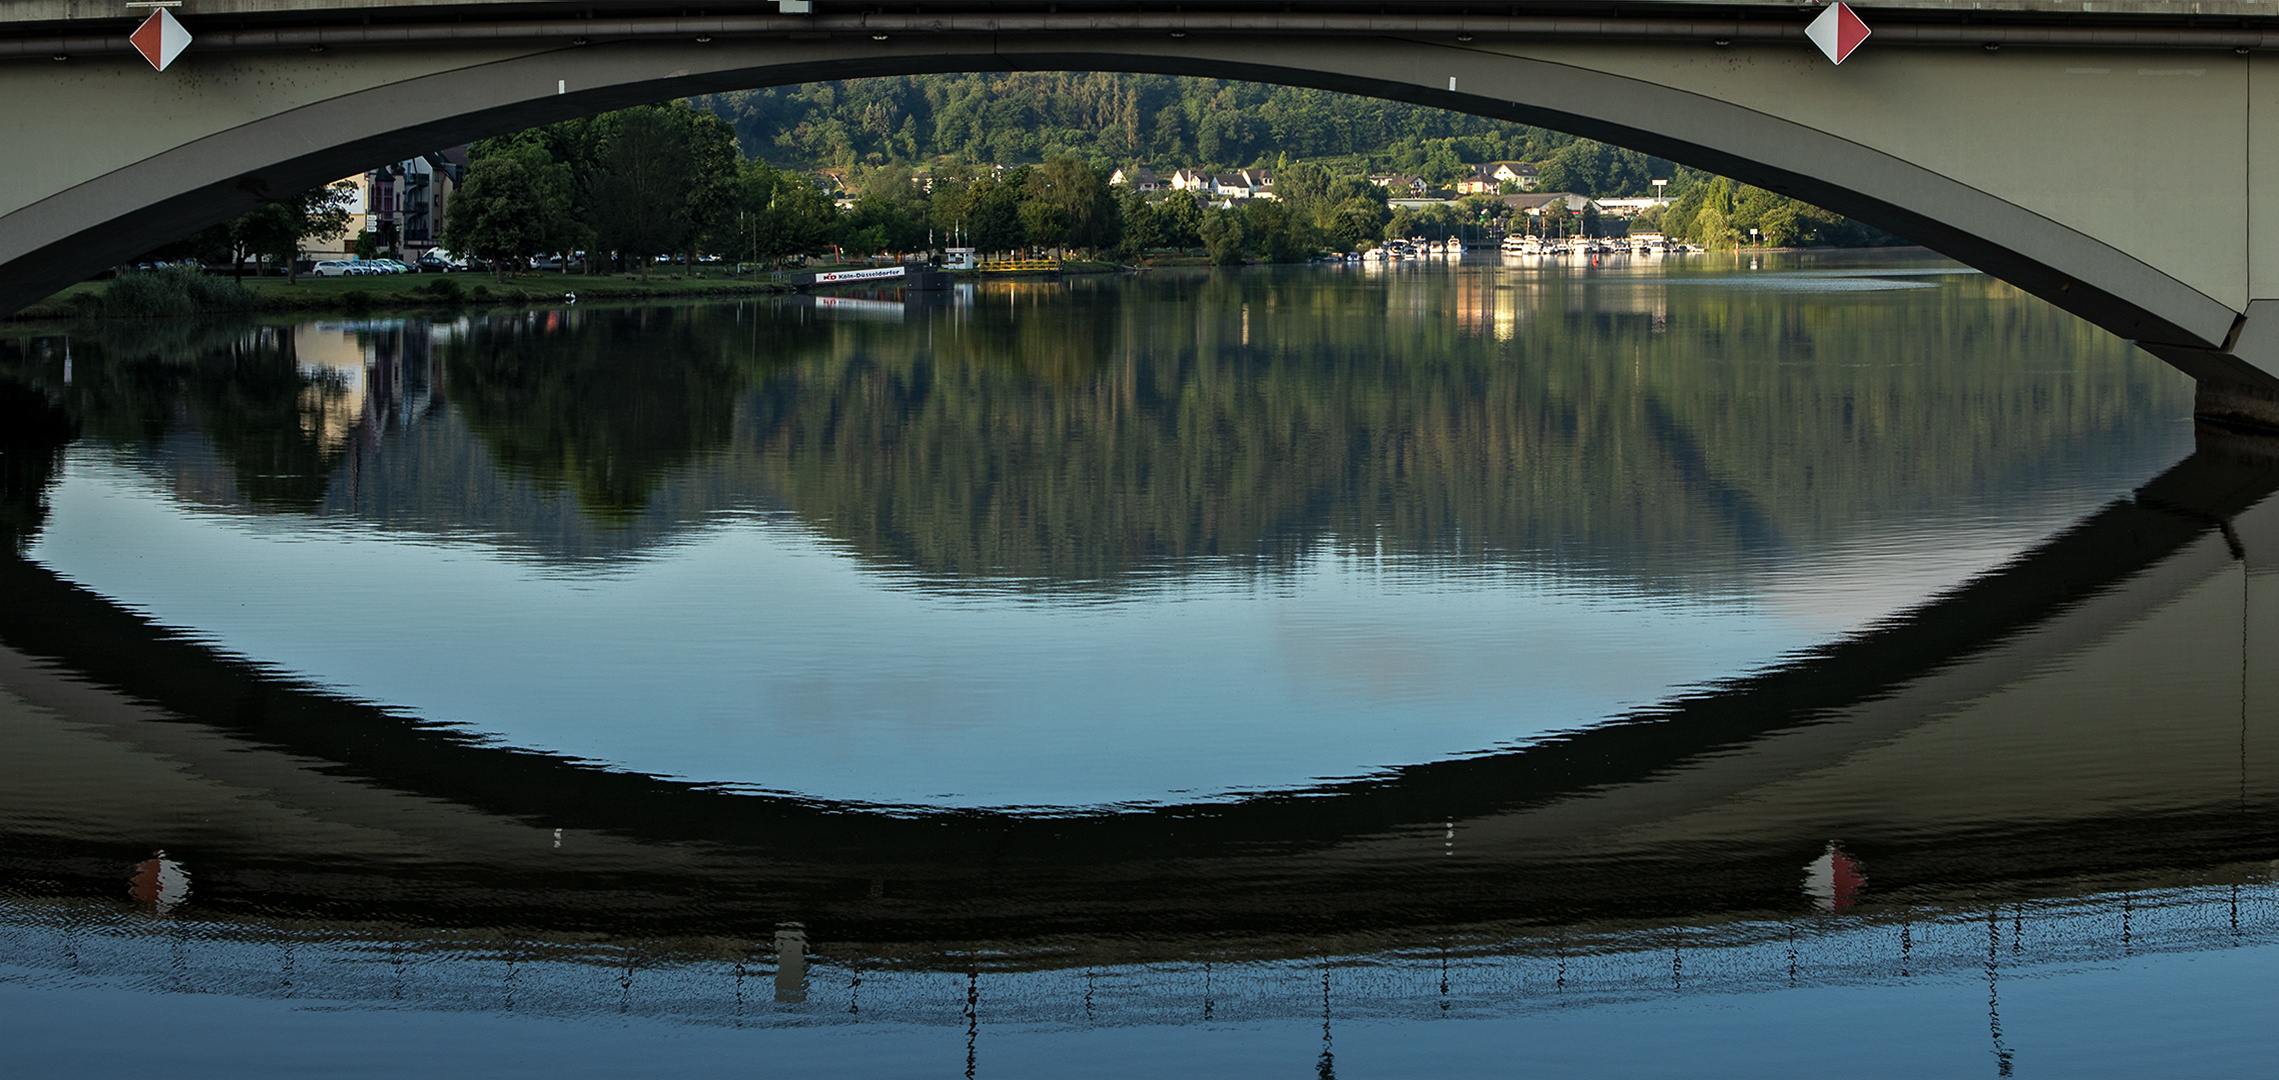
(1642, 668)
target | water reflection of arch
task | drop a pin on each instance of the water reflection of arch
(2090, 709)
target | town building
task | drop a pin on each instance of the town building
(1629, 207)
(401, 206)
(1402, 185)
(1226, 188)
(1534, 202)
(1138, 178)
(1490, 178)
(1243, 184)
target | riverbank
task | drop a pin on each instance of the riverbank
(95, 299)
(409, 292)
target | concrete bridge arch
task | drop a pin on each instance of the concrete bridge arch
(2027, 163)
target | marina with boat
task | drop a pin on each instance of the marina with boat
(1520, 245)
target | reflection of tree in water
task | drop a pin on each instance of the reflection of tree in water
(33, 433)
(1103, 429)
(1251, 417)
(134, 382)
(604, 406)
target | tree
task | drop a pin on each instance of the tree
(278, 228)
(1355, 221)
(805, 217)
(1168, 222)
(750, 229)
(513, 204)
(1711, 229)
(989, 212)
(1781, 226)
(207, 245)
(1223, 235)
(713, 173)
(1278, 232)
(1045, 223)
(1143, 226)
(1084, 211)
(880, 224)
(642, 185)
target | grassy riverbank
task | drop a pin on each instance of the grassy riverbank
(391, 291)
(154, 295)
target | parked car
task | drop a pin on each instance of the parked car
(433, 262)
(332, 268)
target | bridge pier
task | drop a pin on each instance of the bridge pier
(2238, 404)
(2238, 381)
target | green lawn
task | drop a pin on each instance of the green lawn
(421, 290)
(414, 290)
(401, 291)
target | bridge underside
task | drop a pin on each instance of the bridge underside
(2115, 183)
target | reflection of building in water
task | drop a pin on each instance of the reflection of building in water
(332, 404)
(1471, 298)
(366, 378)
(1835, 880)
(1495, 304)
(159, 884)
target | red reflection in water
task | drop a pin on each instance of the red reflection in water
(1835, 880)
(159, 884)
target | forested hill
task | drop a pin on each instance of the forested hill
(1160, 121)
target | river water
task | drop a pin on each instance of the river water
(1702, 666)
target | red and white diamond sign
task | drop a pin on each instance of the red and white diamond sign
(160, 39)
(1837, 31)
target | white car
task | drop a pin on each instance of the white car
(332, 268)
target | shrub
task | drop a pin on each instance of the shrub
(214, 293)
(480, 292)
(145, 295)
(356, 299)
(181, 290)
(446, 290)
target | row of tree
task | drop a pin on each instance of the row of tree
(668, 179)
(1719, 213)
(1108, 119)
(673, 178)
(273, 231)
(640, 182)
(1111, 118)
